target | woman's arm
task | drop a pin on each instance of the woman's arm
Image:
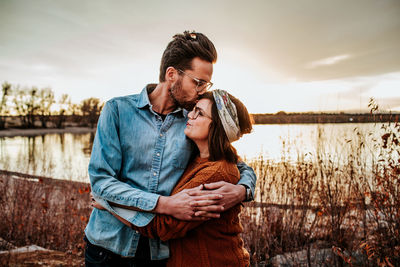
(164, 227)
(97, 205)
(167, 227)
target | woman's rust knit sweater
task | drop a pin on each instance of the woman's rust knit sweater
(216, 242)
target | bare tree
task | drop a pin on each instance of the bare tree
(4, 108)
(91, 108)
(46, 100)
(26, 105)
(64, 104)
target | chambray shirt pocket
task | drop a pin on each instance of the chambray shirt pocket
(181, 154)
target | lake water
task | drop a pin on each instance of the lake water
(66, 156)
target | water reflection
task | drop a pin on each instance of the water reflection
(87, 149)
(291, 142)
(63, 156)
(66, 156)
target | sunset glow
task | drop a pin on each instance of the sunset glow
(302, 56)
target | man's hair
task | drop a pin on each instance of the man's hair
(219, 146)
(183, 48)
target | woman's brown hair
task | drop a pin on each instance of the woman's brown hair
(218, 144)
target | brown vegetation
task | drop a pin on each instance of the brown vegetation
(46, 212)
(351, 209)
(345, 212)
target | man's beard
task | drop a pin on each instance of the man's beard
(175, 92)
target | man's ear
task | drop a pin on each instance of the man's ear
(171, 74)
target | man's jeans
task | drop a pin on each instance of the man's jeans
(96, 256)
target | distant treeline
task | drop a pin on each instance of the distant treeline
(284, 118)
(33, 107)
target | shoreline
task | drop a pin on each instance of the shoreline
(13, 132)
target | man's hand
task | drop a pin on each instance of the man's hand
(186, 203)
(232, 195)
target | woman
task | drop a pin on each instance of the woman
(217, 120)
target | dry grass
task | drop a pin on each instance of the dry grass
(352, 209)
(47, 212)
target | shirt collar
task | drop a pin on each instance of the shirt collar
(143, 98)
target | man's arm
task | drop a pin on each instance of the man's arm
(248, 178)
(105, 166)
(104, 169)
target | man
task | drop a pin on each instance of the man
(140, 152)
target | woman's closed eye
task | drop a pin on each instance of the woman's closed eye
(198, 111)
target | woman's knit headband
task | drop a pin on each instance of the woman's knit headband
(228, 114)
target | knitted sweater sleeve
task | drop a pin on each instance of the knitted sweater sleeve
(167, 227)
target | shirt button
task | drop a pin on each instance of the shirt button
(161, 135)
(158, 154)
(155, 174)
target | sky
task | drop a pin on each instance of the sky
(293, 56)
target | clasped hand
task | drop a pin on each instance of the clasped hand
(205, 201)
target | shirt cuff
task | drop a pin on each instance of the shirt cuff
(137, 218)
(249, 192)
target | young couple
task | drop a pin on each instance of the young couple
(162, 175)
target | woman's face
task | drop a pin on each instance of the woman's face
(198, 125)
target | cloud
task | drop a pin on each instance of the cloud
(107, 49)
(294, 36)
(327, 61)
(388, 103)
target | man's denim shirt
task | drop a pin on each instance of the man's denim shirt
(137, 157)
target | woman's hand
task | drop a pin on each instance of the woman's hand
(97, 205)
